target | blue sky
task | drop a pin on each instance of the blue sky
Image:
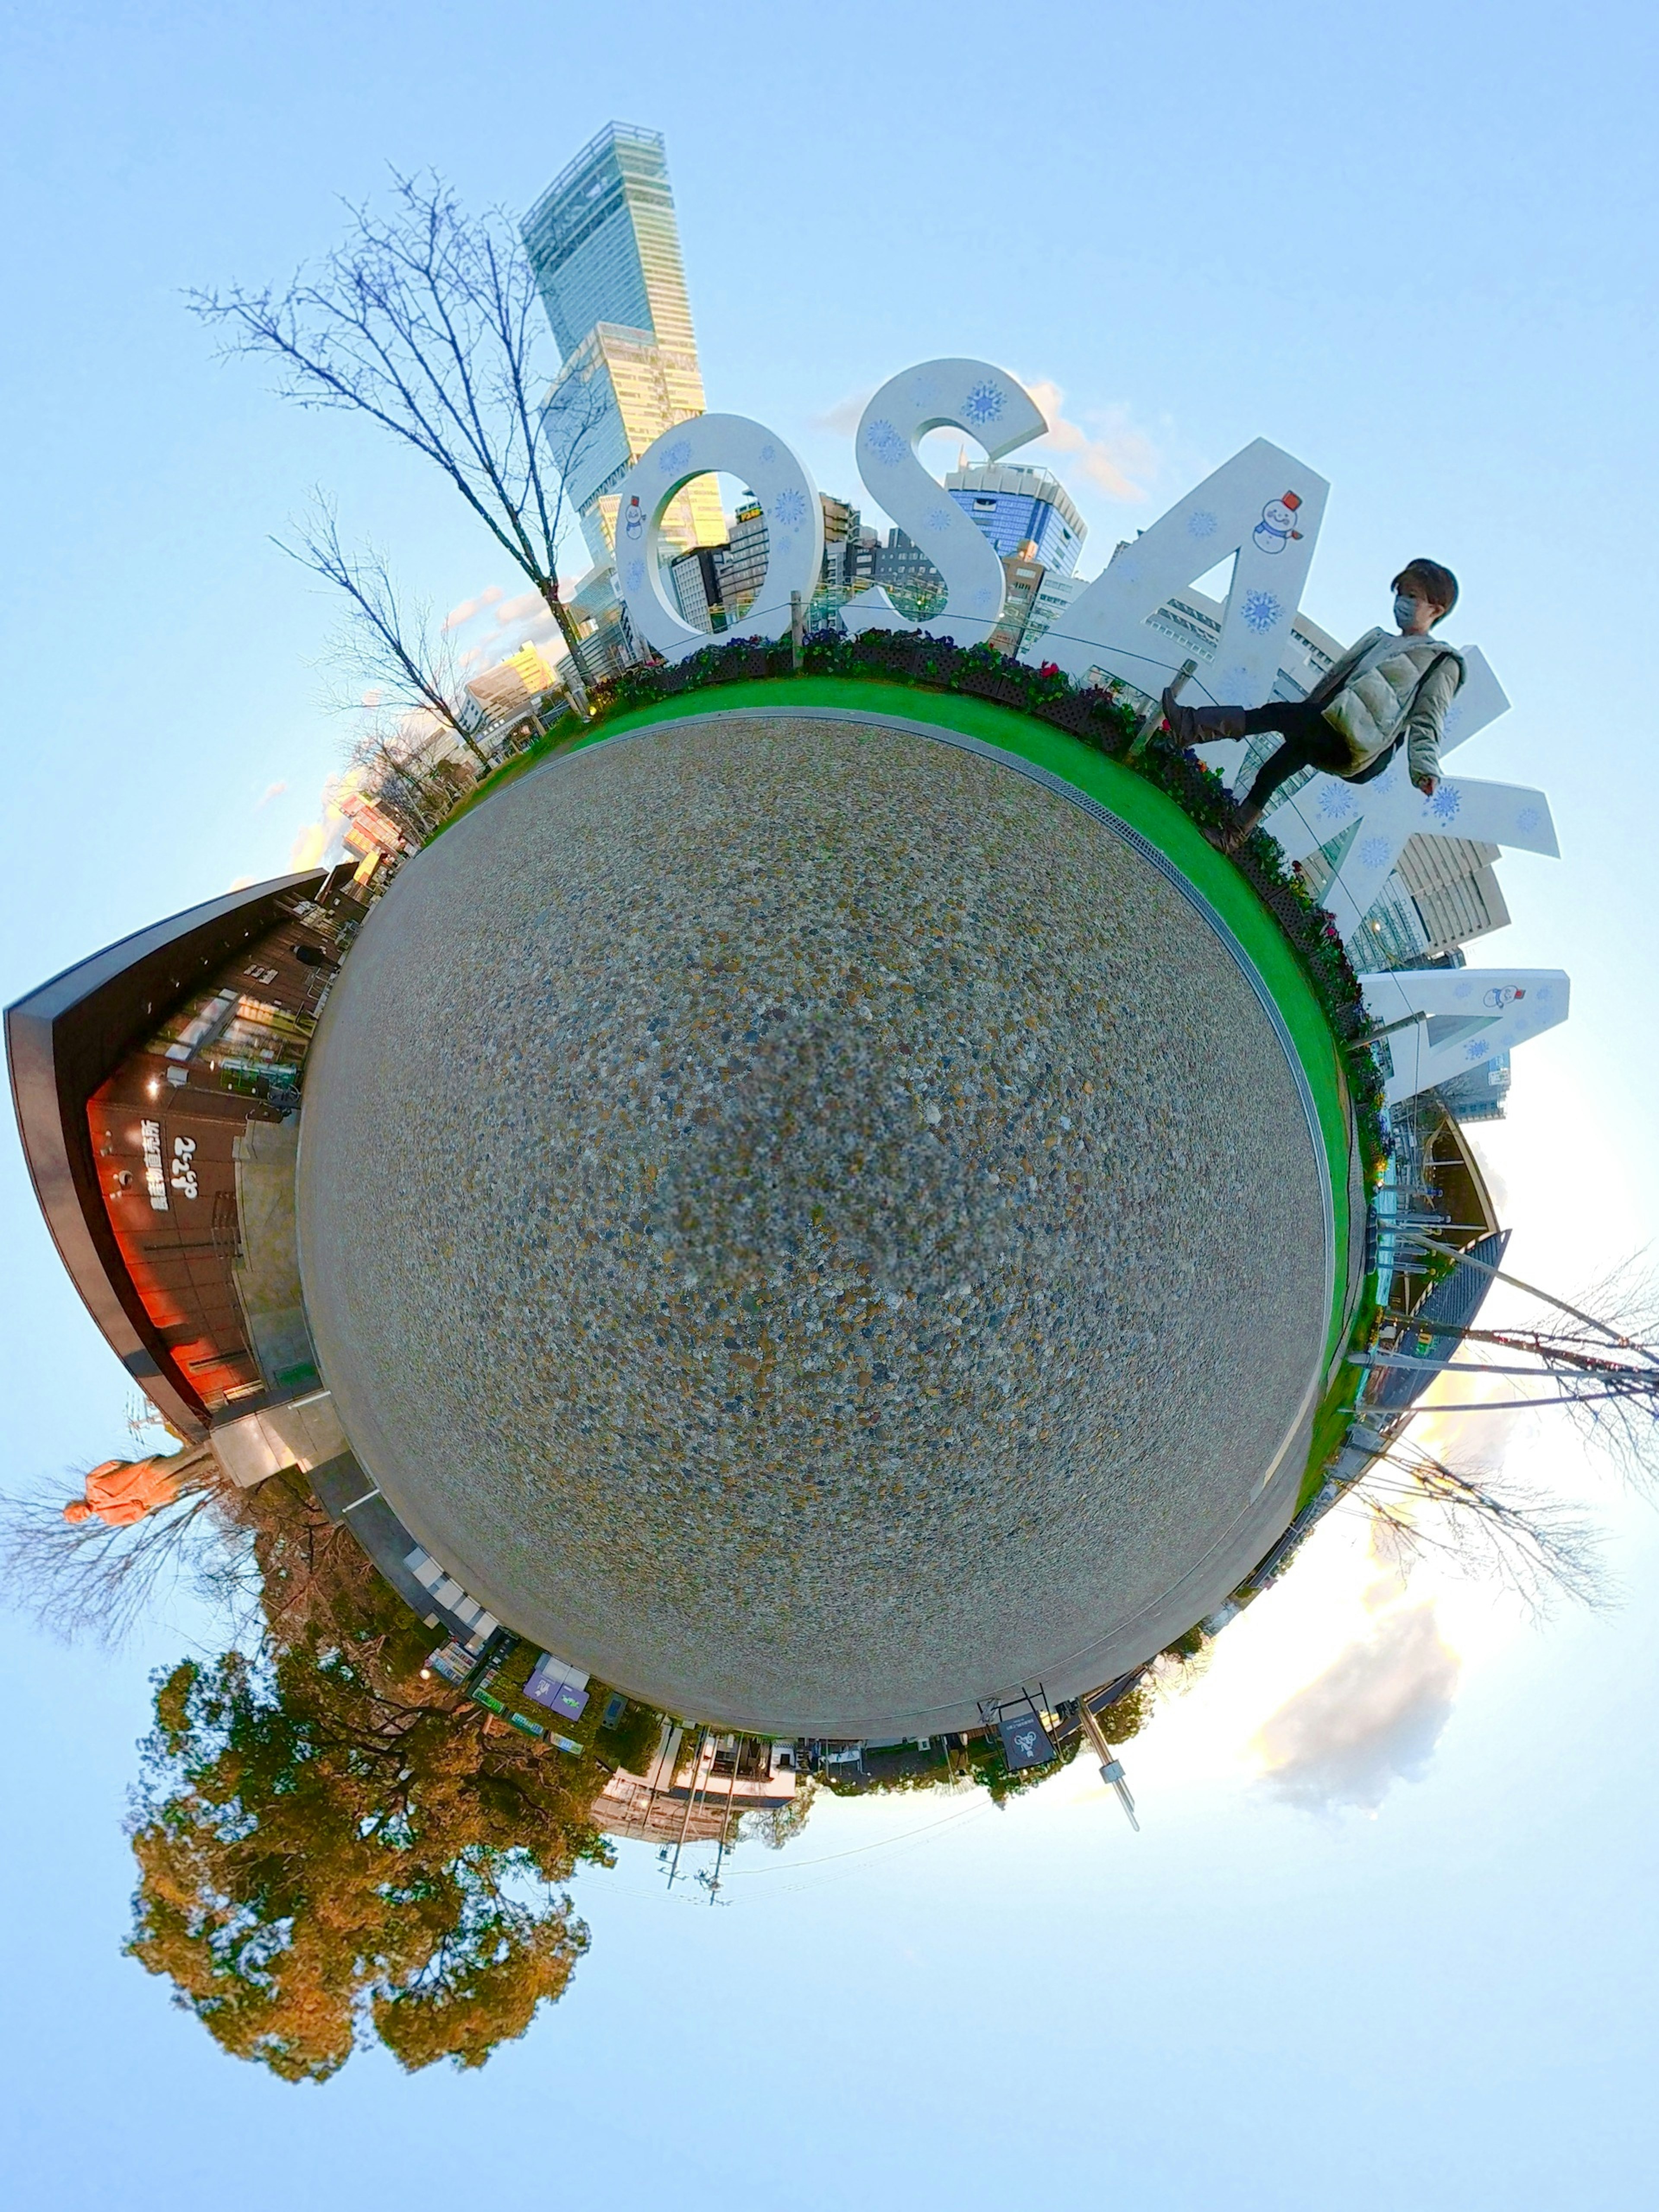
(1415, 250)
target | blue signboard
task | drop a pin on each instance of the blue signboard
(550, 1685)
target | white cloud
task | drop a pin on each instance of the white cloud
(271, 790)
(468, 608)
(843, 418)
(1113, 455)
(1372, 1718)
(527, 607)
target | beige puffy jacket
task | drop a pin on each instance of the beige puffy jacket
(1413, 685)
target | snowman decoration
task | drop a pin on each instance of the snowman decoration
(1278, 525)
(634, 520)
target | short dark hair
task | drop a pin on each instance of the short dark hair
(1436, 585)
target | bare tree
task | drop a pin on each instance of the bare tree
(86, 1581)
(427, 322)
(388, 646)
(1602, 1367)
(1536, 1546)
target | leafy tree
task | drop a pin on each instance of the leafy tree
(333, 1849)
(1128, 1716)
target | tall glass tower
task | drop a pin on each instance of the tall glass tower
(604, 245)
(605, 248)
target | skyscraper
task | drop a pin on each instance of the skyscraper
(605, 245)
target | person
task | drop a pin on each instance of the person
(1389, 690)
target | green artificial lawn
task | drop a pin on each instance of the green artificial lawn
(1129, 796)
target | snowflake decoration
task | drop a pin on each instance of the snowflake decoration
(1259, 612)
(789, 508)
(983, 597)
(884, 442)
(634, 575)
(675, 456)
(1447, 802)
(1201, 523)
(984, 403)
(1527, 820)
(1336, 801)
(1377, 853)
(939, 517)
(1543, 992)
(1454, 720)
(1475, 1049)
(768, 452)
(1464, 990)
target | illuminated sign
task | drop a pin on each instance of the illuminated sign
(154, 1181)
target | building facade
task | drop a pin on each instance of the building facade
(1018, 506)
(907, 576)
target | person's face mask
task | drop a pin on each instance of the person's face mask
(1407, 606)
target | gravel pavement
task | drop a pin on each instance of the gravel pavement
(805, 1222)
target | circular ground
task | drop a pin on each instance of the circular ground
(807, 1222)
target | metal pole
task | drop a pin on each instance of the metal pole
(797, 632)
(1111, 1768)
(737, 1755)
(690, 1800)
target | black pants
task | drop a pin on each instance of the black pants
(1310, 742)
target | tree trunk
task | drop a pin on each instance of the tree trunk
(566, 620)
(476, 751)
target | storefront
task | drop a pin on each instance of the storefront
(157, 1087)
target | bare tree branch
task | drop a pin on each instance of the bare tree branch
(386, 640)
(427, 322)
(1602, 1368)
(1535, 1545)
(88, 1581)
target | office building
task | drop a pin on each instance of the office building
(1022, 578)
(1482, 1094)
(1441, 893)
(862, 554)
(1018, 506)
(909, 577)
(604, 245)
(1055, 594)
(743, 560)
(607, 644)
(1453, 888)
(694, 580)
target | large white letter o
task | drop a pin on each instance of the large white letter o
(788, 498)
